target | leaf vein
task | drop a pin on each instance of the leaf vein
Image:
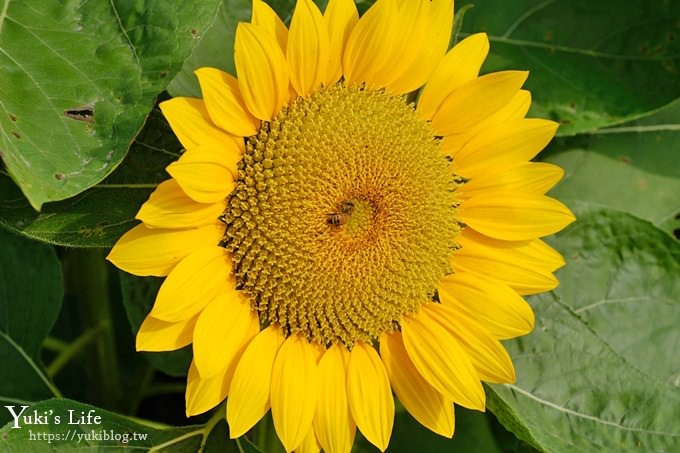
(125, 33)
(586, 416)
(530, 12)
(55, 391)
(606, 301)
(3, 13)
(577, 50)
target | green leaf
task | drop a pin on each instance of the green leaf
(472, 434)
(599, 372)
(31, 293)
(632, 168)
(592, 63)
(77, 79)
(109, 431)
(100, 215)
(215, 50)
(139, 294)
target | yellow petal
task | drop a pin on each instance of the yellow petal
(265, 18)
(249, 391)
(169, 207)
(476, 100)
(193, 283)
(224, 102)
(496, 307)
(515, 218)
(308, 48)
(294, 390)
(153, 251)
(202, 175)
(369, 44)
(530, 177)
(369, 395)
(525, 266)
(437, 35)
(459, 66)
(341, 17)
(203, 394)
(226, 154)
(424, 403)
(505, 145)
(309, 444)
(410, 33)
(333, 422)
(221, 330)
(486, 353)
(262, 71)
(516, 109)
(442, 361)
(157, 335)
(191, 122)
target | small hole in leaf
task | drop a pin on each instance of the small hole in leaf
(194, 33)
(164, 74)
(12, 117)
(676, 233)
(85, 113)
(59, 176)
(16, 134)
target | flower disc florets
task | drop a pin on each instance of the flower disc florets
(343, 217)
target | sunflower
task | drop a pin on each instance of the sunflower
(354, 215)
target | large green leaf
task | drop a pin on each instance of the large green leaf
(31, 292)
(109, 431)
(77, 79)
(215, 50)
(632, 168)
(100, 215)
(592, 63)
(600, 372)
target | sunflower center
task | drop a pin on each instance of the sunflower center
(343, 216)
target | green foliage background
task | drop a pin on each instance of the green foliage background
(83, 145)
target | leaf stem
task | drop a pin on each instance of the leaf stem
(204, 432)
(71, 350)
(54, 344)
(149, 423)
(267, 439)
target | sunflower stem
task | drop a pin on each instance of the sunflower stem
(87, 282)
